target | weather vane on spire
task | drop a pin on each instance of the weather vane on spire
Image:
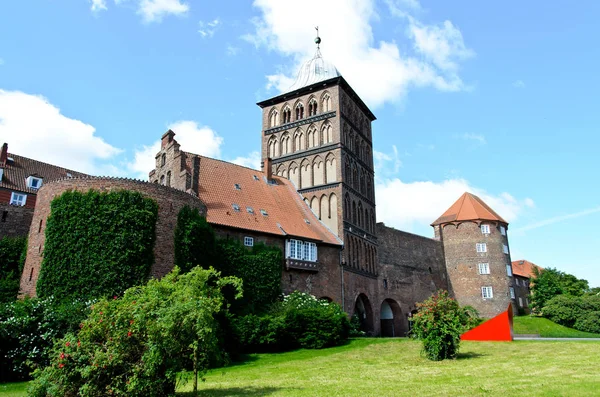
(317, 39)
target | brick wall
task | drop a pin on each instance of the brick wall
(14, 221)
(411, 269)
(169, 200)
(462, 260)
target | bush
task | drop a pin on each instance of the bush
(574, 311)
(439, 323)
(136, 345)
(194, 240)
(300, 320)
(12, 259)
(260, 269)
(28, 329)
(97, 244)
(589, 323)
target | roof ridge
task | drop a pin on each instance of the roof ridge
(12, 155)
(222, 161)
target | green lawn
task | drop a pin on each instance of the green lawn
(13, 389)
(394, 367)
(547, 328)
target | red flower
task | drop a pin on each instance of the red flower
(115, 297)
(62, 356)
(68, 344)
(130, 322)
(60, 365)
(129, 334)
(78, 343)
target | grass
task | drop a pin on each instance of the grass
(546, 328)
(13, 389)
(394, 367)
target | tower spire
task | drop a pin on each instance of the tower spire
(317, 39)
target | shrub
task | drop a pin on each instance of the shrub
(28, 329)
(439, 323)
(589, 323)
(12, 259)
(195, 243)
(300, 320)
(97, 244)
(260, 269)
(136, 345)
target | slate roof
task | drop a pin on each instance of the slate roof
(468, 208)
(17, 170)
(524, 268)
(286, 212)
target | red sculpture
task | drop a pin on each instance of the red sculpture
(499, 328)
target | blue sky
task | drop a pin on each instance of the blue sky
(498, 98)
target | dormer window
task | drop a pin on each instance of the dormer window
(18, 199)
(34, 182)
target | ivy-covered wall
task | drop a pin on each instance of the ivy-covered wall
(97, 244)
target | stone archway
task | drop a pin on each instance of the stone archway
(364, 312)
(326, 298)
(392, 323)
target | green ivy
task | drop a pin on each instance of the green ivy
(194, 240)
(12, 259)
(260, 268)
(97, 244)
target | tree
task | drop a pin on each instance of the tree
(550, 282)
(12, 259)
(136, 345)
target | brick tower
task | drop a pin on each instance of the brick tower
(478, 262)
(318, 135)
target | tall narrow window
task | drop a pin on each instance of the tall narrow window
(163, 160)
(503, 230)
(509, 272)
(481, 247)
(505, 248)
(169, 178)
(512, 293)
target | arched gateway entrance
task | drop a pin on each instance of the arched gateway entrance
(392, 323)
(364, 312)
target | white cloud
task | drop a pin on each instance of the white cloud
(519, 84)
(383, 159)
(98, 5)
(35, 128)
(253, 160)
(474, 137)
(208, 29)
(155, 10)
(443, 45)
(232, 51)
(377, 70)
(558, 219)
(410, 206)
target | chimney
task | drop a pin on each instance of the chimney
(166, 139)
(4, 154)
(267, 168)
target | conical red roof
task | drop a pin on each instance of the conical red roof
(468, 208)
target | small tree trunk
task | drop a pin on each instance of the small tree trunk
(196, 371)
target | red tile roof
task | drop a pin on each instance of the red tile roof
(468, 208)
(17, 170)
(287, 213)
(524, 268)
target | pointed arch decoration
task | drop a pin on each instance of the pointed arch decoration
(314, 205)
(333, 213)
(305, 174)
(331, 169)
(318, 171)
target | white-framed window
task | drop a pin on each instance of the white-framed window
(512, 293)
(516, 279)
(509, 270)
(18, 199)
(520, 302)
(487, 292)
(34, 182)
(484, 268)
(503, 230)
(481, 247)
(302, 250)
(505, 248)
(485, 229)
(249, 241)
